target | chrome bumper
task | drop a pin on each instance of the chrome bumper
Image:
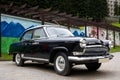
(87, 59)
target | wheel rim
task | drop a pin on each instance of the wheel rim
(17, 58)
(60, 63)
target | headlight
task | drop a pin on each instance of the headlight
(77, 53)
(110, 44)
(82, 43)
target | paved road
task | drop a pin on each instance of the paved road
(33, 71)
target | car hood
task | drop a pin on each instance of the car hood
(72, 39)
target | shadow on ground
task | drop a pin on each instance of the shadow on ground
(77, 71)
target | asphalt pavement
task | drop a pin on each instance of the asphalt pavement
(35, 71)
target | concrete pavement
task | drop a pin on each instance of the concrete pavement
(34, 71)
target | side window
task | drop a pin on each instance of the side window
(39, 33)
(27, 35)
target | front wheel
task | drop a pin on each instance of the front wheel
(19, 61)
(61, 64)
(93, 66)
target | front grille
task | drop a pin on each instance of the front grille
(95, 50)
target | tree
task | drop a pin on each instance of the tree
(116, 8)
(119, 14)
(98, 9)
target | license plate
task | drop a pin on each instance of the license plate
(103, 60)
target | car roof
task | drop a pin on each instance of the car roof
(39, 26)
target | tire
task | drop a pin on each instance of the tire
(61, 64)
(93, 66)
(18, 60)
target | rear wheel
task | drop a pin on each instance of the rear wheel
(93, 66)
(61, 64)
(19, 61)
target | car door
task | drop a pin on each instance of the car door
(27, 41)
(39, 46)
(34, 45)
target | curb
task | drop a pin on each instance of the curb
(5, 60)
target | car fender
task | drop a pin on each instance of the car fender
(55, 50)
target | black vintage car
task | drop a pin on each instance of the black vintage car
(57, 45)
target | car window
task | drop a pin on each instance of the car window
(27, 35)
(58, 32)
(39, 33)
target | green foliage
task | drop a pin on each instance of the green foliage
(117, 24)
(98, 9)
(116, 49)
(116, 8)
(119, 9)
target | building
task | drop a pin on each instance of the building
(111, 6)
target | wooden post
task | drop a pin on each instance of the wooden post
(85, 31)
(114, 37)
(97, 32)
(68, 23)
(0, 41)
(42, 19)
(107, 32)
(86, 28)
(119, 18)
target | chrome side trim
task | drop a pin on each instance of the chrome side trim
(38, 59)
(94, 46)
(74, 58)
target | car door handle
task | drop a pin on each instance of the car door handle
(29, 41)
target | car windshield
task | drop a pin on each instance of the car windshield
(58, 32)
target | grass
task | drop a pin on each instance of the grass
(5, 57)
(116, 49)
(117, 24)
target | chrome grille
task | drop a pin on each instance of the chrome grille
(95, 50)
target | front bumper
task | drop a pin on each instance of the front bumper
(99, 59)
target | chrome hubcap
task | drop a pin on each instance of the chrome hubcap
(17, 58)
(60, 63)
